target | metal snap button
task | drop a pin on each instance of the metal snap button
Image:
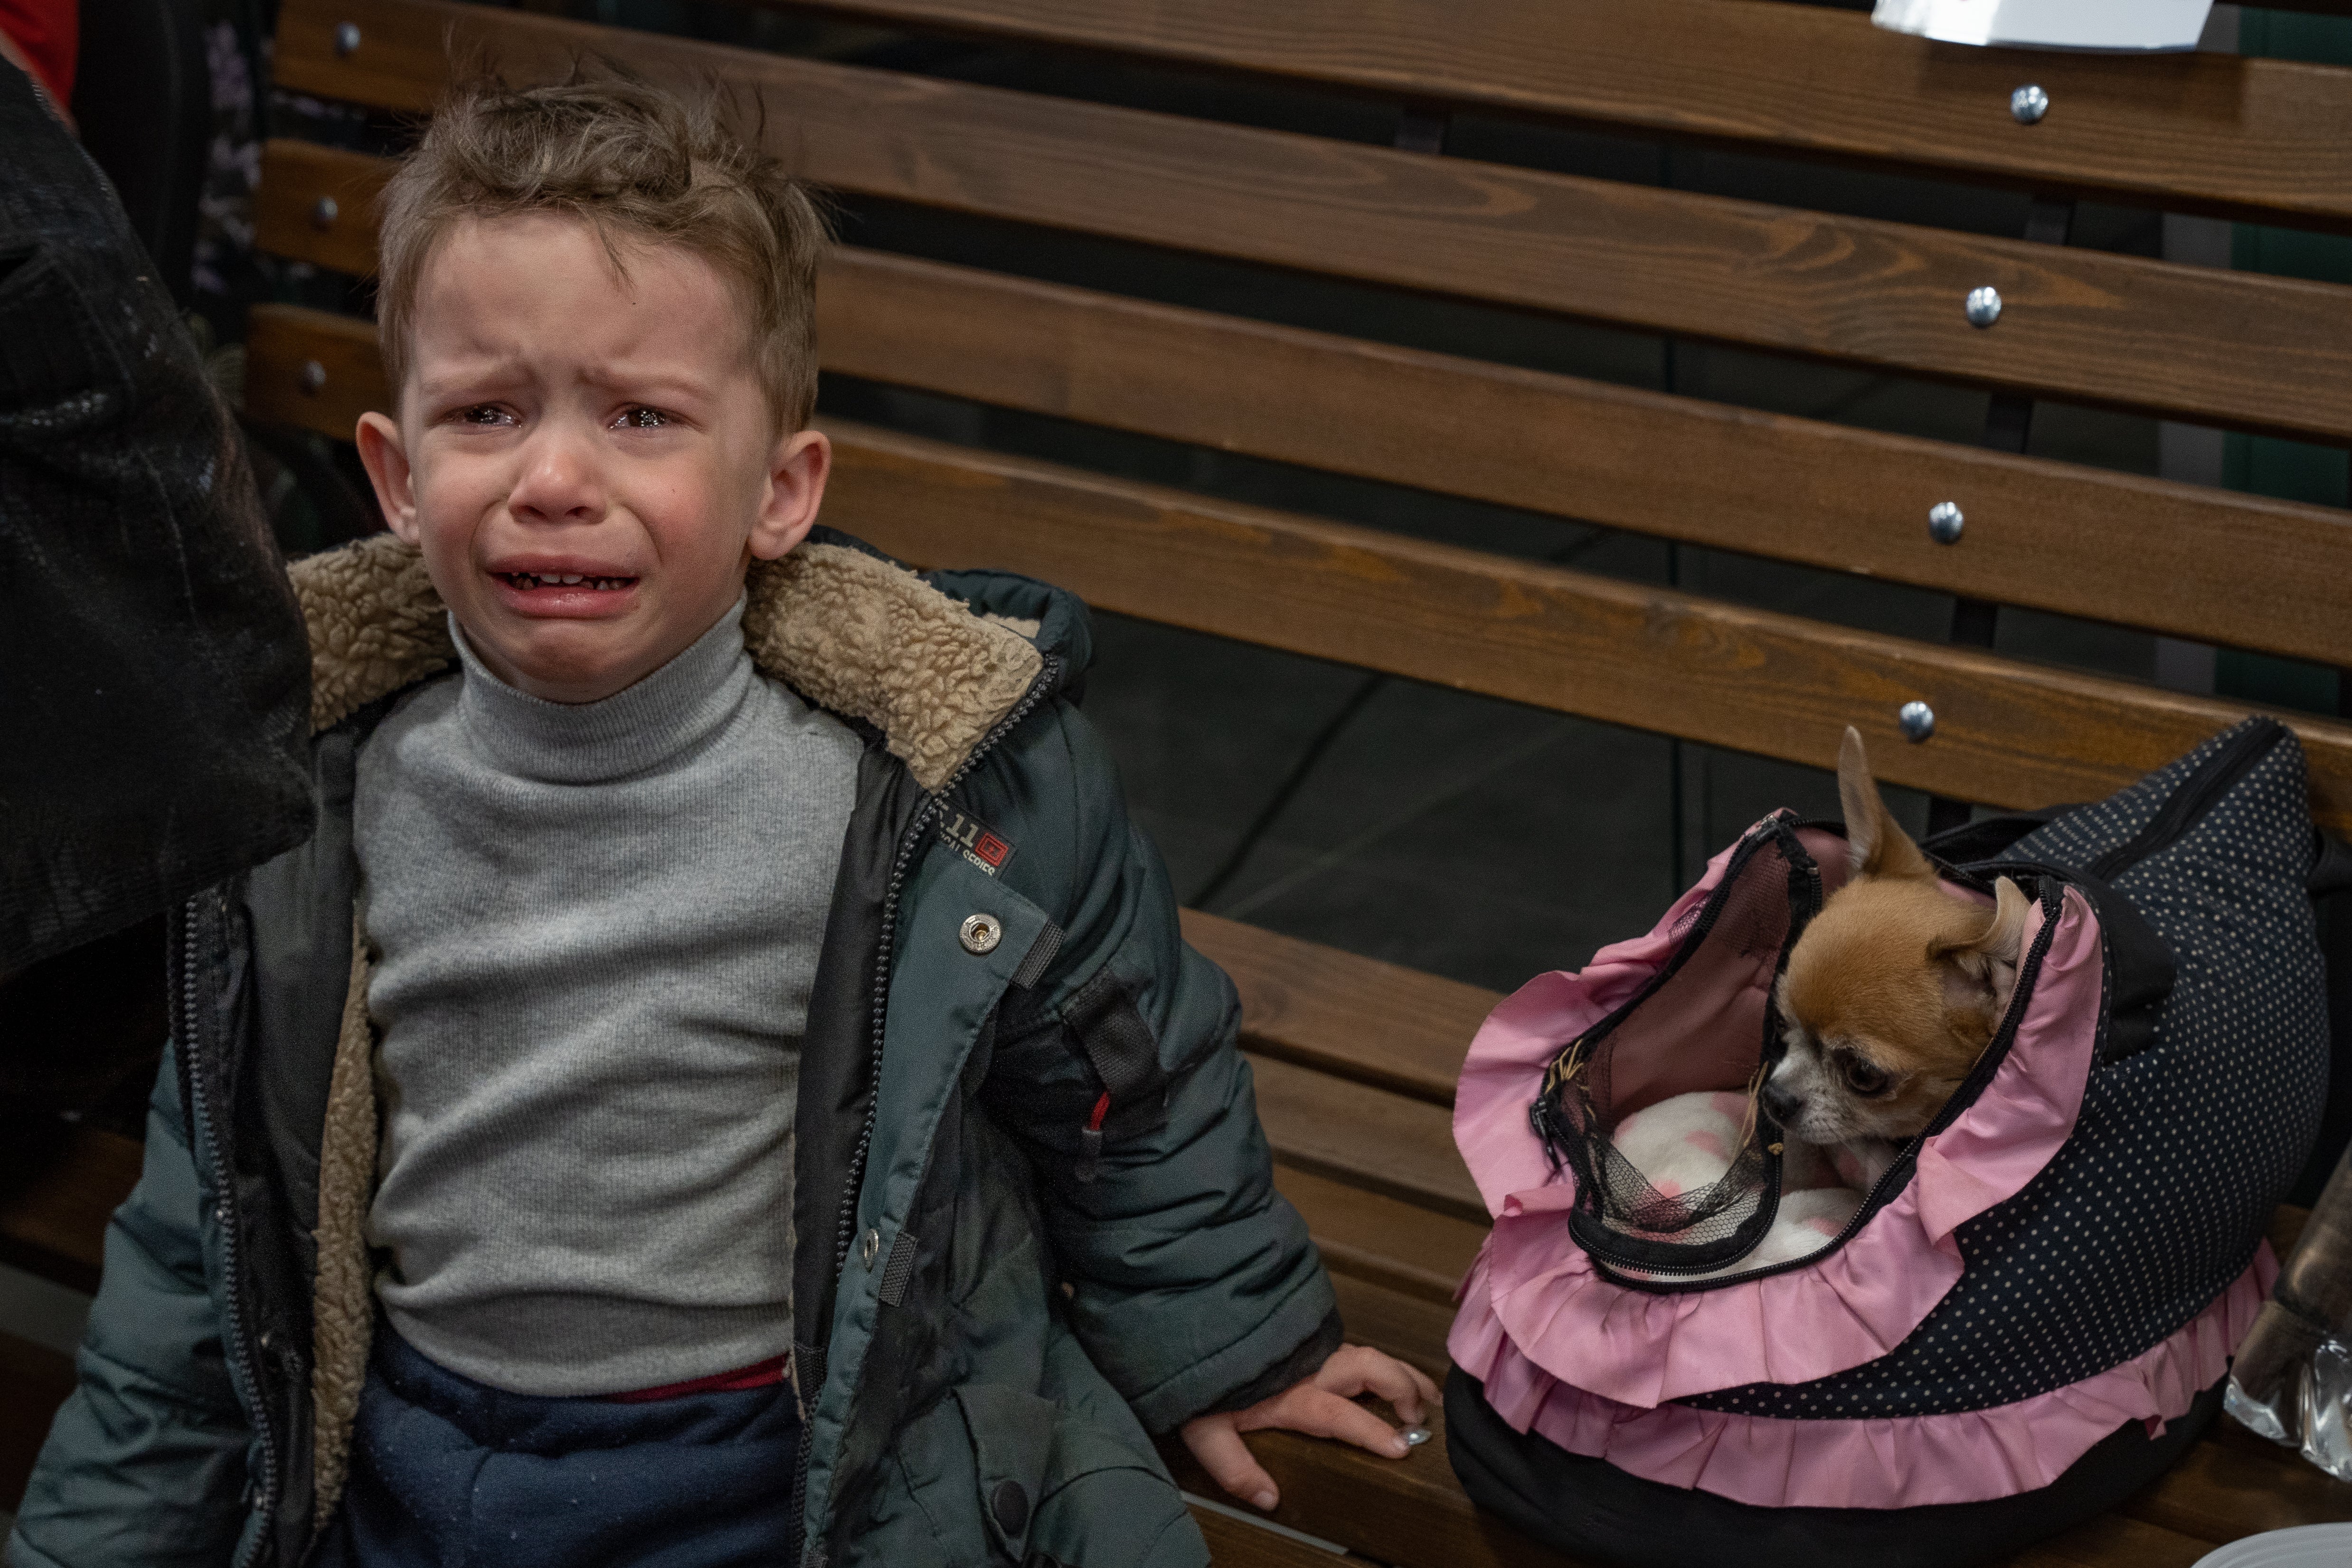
(870, 1248)
(1011, 1506)
(981, 934)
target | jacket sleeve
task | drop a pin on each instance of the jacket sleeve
(146, 1460)
(1192, 1282)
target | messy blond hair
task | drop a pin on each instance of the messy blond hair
(638, 163)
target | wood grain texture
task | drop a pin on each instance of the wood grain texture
(281, 339)
(2007, 733)
(59, 1184)
(2242, 349)
(2219, 1491)
(2055, 536)
(1409, 1513)
(287, 218)
(1317, 1006)
(1408, 1327)
(1397, 1245)
(1235, 1544)
(2215, 131)
(1365, 1137)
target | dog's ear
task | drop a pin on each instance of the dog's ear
(1875, 845)
(1983, 969)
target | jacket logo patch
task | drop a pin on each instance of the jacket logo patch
(976, 841)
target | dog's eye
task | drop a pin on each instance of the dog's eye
(1863, 1076)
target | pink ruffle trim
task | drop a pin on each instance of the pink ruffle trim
(1535, 1289)
(1901, 1463)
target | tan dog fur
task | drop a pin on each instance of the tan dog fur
(1893, 992)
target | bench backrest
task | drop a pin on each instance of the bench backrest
(2215, 133)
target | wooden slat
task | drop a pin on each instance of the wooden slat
(287, 219)
(2219, 1491)
(1380, 1024)
(283, 341)
(2007, 733)
(2214, 131)
(59, 1184)
(1234, 1545)
(1367, 1138)
(2055, 536)
(1399, 1246)
(1409, 1512)
(2242, 349)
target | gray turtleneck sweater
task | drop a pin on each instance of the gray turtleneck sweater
(596, 926)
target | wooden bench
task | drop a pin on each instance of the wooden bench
(1356, 1059)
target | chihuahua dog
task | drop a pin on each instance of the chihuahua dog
(1891, 993)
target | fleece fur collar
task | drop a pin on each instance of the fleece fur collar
(847, 630)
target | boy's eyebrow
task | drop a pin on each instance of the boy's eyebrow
(649, 381)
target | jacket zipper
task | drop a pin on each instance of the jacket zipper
(189, 1036)
(845, 1229)
(2212, 778)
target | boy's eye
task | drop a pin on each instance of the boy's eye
(479, 414)
(643, 418)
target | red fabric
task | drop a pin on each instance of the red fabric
(48, 32)
(759, 1374)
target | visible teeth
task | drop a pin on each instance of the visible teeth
(565, 580)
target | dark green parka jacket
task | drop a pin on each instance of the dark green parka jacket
(1034, 1216)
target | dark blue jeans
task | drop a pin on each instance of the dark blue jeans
(451, 1474)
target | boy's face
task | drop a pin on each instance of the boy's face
(585, 456)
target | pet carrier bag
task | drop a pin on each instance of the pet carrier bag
(2023, 1320)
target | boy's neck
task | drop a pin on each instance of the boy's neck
(640, 727)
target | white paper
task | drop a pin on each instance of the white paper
(2121, 26)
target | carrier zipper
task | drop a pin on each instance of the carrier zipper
(1964, 1096)
(2210, 779)
(189, 1036)
(845, 1229)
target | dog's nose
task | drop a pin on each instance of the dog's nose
(1778, 1103)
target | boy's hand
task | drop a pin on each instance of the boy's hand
(1323, 1405)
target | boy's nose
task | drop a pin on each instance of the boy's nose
(558, 481)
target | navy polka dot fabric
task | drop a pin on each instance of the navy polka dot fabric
(2155, 1203)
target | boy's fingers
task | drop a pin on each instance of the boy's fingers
(1358, 1369)
(1319, 1413)
(1216, 1442)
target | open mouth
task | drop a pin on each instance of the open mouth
(530, 582)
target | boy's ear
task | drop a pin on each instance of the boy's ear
(796, 474)
(387, 461)
(1876, 845)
